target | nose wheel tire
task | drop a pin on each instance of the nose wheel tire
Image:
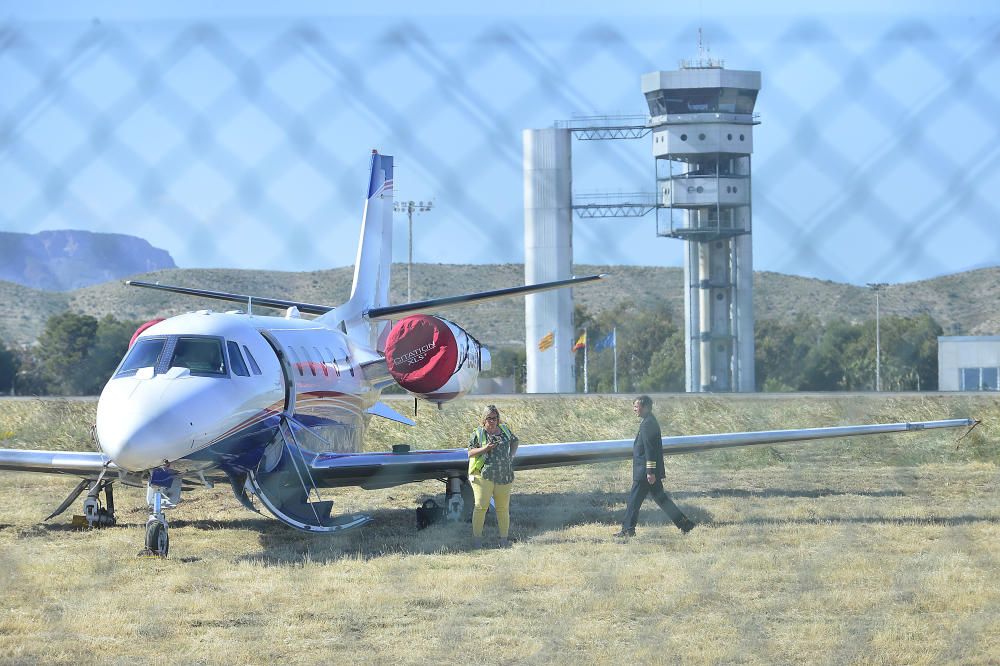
(157, 539)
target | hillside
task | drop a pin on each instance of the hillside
(964, 303)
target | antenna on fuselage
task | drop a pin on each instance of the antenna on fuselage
(250, 306)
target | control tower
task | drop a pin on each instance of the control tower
(702, 120)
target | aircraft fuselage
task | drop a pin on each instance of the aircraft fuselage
(207, 390)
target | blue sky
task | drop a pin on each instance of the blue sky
(238, 135)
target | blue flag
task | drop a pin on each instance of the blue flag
(609, 341)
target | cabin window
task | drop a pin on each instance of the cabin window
(145, 353)
(312, 366)
(236, 360)
(202, 356)
(334, 362)
(322, 361)
(295, 360)
(253, 361)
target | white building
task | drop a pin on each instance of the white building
(969, 363)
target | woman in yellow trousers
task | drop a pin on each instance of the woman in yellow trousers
(491, 472)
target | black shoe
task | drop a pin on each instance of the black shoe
(625, 534)
(686, 526)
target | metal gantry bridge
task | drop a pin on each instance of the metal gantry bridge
(608, 128)
(629, 204)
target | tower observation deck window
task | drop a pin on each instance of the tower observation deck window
(701, 100)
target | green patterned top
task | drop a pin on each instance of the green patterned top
(499, 466)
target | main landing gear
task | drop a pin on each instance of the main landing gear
(458, 504)
(94, 513)
(458, 499)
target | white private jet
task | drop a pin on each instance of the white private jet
(277, 405)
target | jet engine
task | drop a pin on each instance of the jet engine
(434, 358)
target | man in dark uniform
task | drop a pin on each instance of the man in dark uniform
(648, 472)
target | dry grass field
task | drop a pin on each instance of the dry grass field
(876, 550)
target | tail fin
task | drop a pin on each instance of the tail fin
(371, 268)
(374, 261)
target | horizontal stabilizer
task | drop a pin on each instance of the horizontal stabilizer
(387, 412)
(433, 305)
(249, 301)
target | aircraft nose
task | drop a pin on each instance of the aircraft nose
(140, 434)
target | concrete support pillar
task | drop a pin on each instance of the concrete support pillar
(548, 255)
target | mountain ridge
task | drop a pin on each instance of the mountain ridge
(68, 259)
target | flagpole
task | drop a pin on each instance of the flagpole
(614, 338)
(555, 360)
(585, 360)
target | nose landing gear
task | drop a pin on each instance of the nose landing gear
(160, 497)
(157, 537)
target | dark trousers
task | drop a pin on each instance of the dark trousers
(635, 499)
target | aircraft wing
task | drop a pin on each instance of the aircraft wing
(76, 463)
(435, 304)
(383, 470)
(245, 299)
(386, 312)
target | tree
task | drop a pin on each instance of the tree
(110, 344)
(780, 351)
(508, 362)
(76, 353)
(9, 365)
(650, 349)
(840, 356)
(30, 378)
(666, 367)
(64, 349)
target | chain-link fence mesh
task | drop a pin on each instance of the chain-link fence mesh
(244, 142)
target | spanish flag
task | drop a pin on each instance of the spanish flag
(581, 341)
(547, 341)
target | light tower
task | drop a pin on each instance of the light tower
(702, 120)
(411, 207)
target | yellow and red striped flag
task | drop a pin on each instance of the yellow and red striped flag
(547, 341)
(581, 341)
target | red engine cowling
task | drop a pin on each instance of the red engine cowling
(434, 358)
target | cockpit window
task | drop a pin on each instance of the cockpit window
(236, 360)
(253, 361)
(145, 353)
(202, 356)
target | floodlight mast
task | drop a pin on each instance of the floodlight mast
(411, 207)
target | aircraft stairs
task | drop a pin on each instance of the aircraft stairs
(284, 484)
